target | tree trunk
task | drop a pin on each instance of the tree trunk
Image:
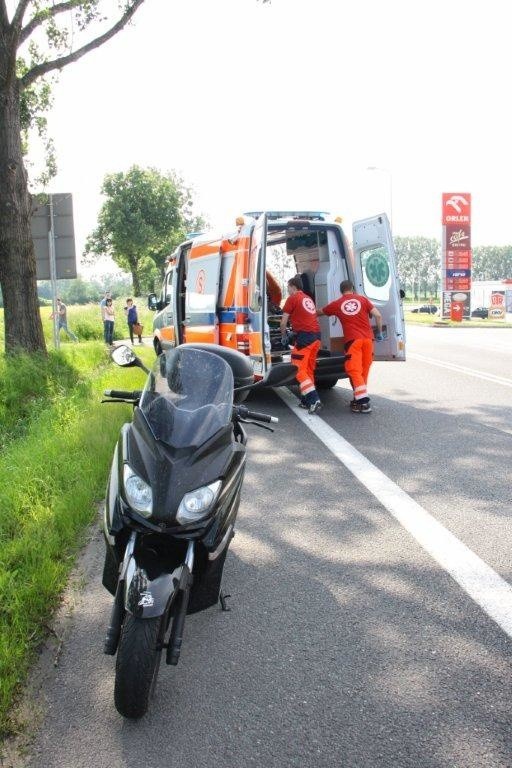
(136, 283)
(23, 327)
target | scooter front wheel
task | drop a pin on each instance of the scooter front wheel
(138, 660)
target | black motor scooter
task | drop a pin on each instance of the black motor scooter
(171, 504)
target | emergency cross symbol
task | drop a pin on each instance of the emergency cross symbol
(377, 269)
(309, 305)
(351, 307)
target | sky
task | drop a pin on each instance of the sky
(288, 105)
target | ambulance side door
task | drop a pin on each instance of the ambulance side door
(201, 323)
(376, 277)
(259, 337)
(168, 313)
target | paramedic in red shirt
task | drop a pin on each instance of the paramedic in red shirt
(354, 311)
(301, 311)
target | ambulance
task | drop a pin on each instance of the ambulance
(216, 288)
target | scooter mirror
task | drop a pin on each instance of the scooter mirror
(123, 355)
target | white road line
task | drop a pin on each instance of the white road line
(462, 369)
(492, 593)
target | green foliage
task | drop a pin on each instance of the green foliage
(145, 215)
(28, 384)
(492, 262)
(82, 291)
(57, 471)
(35, 101)
(86, 323)
(53, 35)
(149, 275)
(419, 265)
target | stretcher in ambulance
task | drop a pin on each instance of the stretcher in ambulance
(217, 289)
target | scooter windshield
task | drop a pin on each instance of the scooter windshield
(188, 397)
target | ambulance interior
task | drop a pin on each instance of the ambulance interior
(318, 256)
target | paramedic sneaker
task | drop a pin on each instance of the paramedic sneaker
(360, 407)
(302, 404)
(315, 407)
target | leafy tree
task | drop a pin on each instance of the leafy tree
(419, 264)
(492, 262)
(145, 215)
(83, 291)
(51, 34)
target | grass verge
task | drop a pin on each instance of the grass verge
(50, 481)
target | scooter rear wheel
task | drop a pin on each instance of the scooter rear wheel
(138, 660)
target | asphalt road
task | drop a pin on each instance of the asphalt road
(347, 644)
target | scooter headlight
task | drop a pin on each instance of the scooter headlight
(196, 504)
(138, 493)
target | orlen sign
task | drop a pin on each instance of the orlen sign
(456, 208)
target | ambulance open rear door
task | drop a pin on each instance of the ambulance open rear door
(201, 323)
(376, 278)
(259, 337)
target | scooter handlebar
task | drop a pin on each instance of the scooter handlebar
(121, 394)
(245, 413)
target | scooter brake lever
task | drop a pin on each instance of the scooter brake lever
(257, 424)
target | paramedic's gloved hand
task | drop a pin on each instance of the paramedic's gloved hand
(379, 337)
(284, 340)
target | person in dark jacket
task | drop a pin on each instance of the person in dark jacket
(131, 315)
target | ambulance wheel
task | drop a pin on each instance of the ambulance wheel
(326, 383)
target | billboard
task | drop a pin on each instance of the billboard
(63, 235)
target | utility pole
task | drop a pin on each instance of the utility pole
(53, 276)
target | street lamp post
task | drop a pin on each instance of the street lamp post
(390, 188)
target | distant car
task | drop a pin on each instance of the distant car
(428, 309)
(482, 312)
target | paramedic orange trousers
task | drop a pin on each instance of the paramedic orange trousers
(305, 360)
(358, 360)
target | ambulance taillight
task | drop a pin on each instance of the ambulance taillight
(242, 343)
(242, 332)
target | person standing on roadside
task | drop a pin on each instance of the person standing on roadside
(354, 312)
(131, 315)
(62, 313)
(109, 322)
(300, 310)
(103, 303)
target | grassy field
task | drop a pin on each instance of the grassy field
(55, 452)
(85, 322)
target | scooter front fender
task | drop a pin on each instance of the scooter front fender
(147, 598)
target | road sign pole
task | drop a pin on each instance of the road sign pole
(53, 275)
